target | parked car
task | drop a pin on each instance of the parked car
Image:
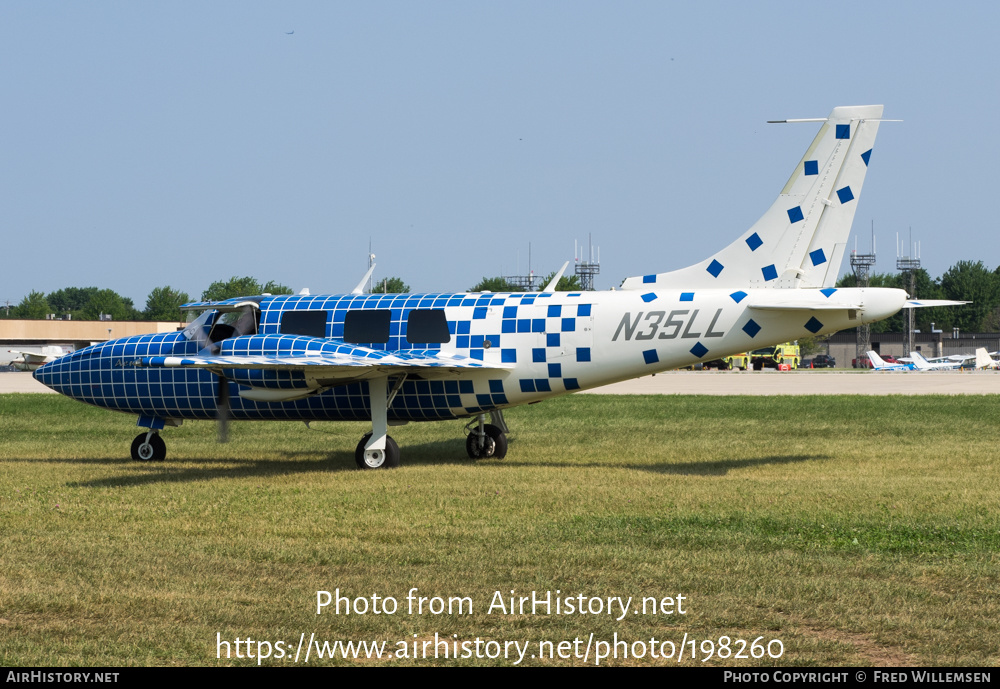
(824, 361)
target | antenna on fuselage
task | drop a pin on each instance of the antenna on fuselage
(551, 287)
(360, 289)
(371, 266)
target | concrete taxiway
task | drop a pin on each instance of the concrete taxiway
(746, 383)
(809, 382)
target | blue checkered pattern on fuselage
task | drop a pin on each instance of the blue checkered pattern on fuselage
(542, 333)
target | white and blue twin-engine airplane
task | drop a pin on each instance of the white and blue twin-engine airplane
(393, 359)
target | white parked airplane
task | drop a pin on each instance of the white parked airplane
(981, 359)
(29, 360)
(984, 360)
(922, 364)
(399, 358)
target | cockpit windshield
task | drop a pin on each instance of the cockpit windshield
(199, 324)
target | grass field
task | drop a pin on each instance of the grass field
(855, 530)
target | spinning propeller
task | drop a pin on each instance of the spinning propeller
(208, 345)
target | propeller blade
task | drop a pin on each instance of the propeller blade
(222, 410)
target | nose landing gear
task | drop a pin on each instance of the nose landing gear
(485, 441)
(149, 447)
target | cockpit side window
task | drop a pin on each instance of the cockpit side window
(235, 324)
(213, 327)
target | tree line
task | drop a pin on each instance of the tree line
(162, 304)
(964, 281)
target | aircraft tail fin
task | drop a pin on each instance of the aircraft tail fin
(800, 240)
(876, 360)
(983, 358)
(919, 361)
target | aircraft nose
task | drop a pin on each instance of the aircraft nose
(45, 374)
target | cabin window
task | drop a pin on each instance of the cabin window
(426, 326)
(367, 326)
(310, 323)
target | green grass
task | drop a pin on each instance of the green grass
(857, 530)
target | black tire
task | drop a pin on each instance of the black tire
(494, 447)
(389, 458)
(153, 451)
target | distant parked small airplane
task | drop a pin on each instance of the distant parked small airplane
(984, 360)
(29, 361)
(981, 359)
(922, 364)
(879, 365)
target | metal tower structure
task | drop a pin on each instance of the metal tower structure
(908, 264)
(861, 265)
(586, 270)
(524, 283)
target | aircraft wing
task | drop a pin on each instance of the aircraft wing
(360, 363)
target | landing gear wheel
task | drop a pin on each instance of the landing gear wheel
(377, 459)
(153, 451)
(494, 444)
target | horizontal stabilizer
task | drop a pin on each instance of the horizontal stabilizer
(802, 306)
(921, 303)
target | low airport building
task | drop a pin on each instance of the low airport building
(32, 335)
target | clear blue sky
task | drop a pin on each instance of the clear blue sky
(180, 143)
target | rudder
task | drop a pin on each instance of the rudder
(800, 240)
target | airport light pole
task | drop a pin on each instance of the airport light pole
(908, 265)
(861, 265)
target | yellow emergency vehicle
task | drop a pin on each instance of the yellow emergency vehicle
(779, 356)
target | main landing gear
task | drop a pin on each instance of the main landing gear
(387, 458)
(377, 450)
(149, 447)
